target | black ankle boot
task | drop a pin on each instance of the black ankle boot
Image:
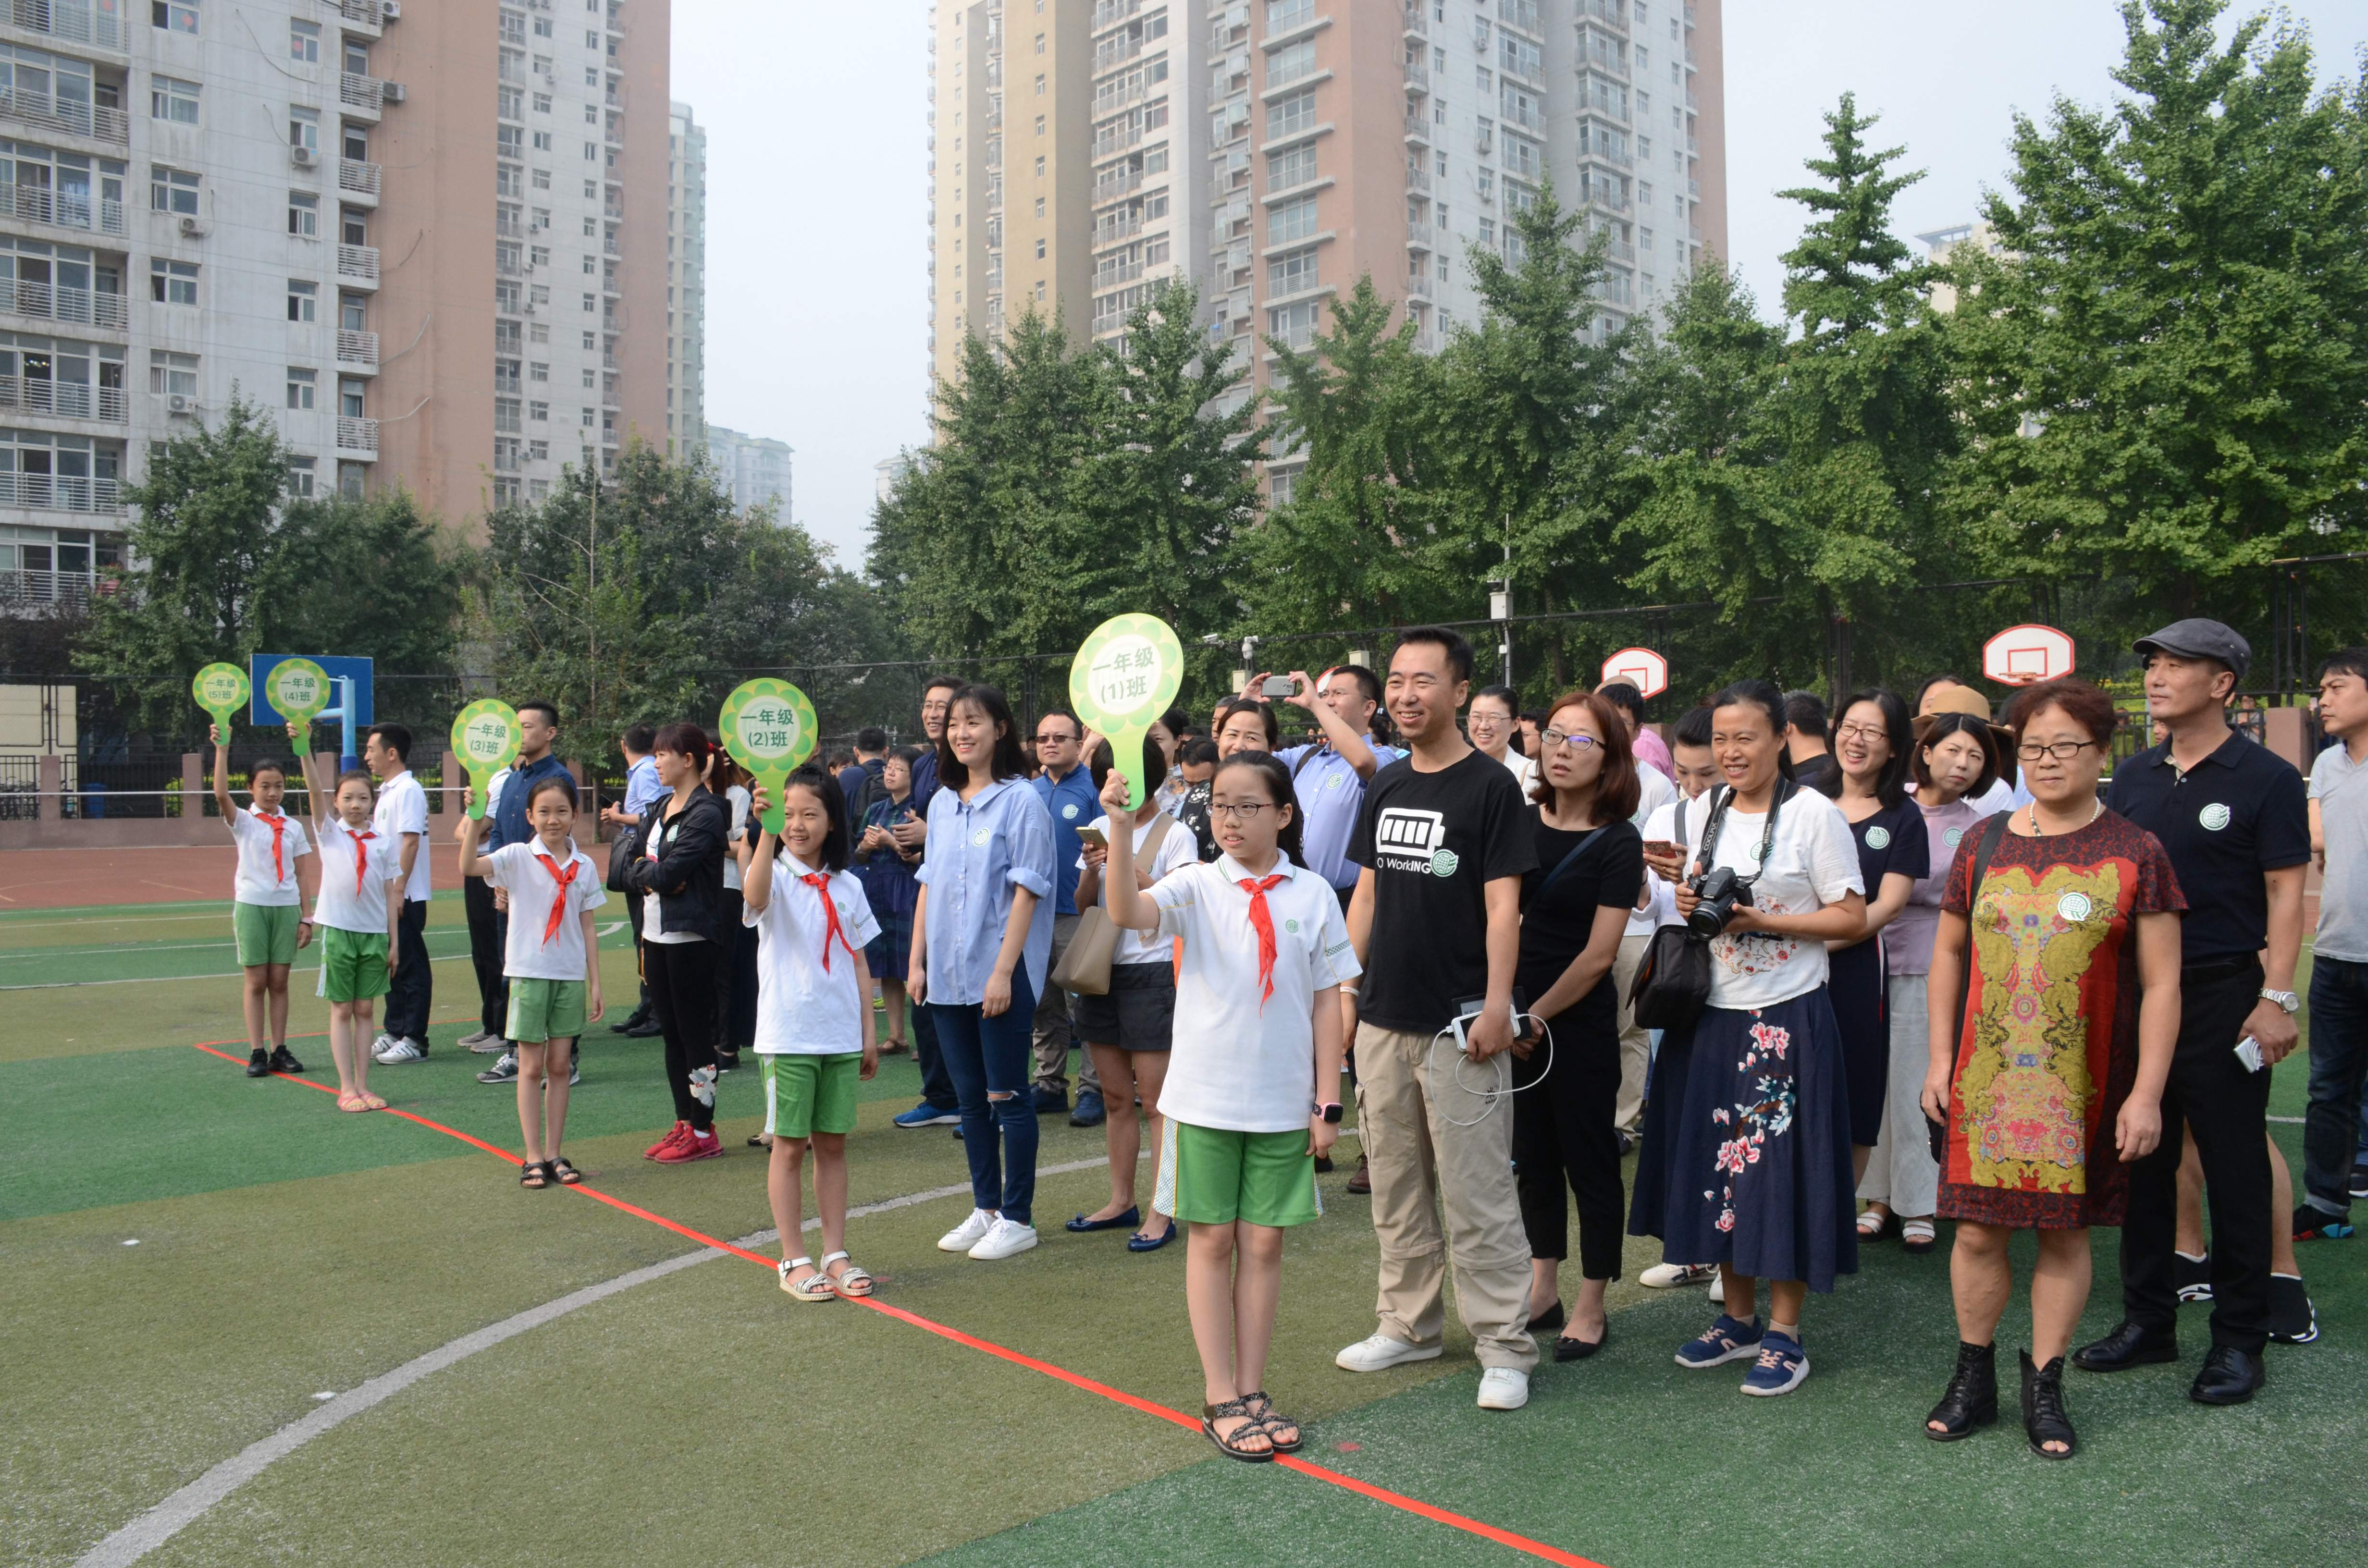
(2043, 1415)
(1971, 1399)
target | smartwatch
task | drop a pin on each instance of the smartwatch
(2285, 999)
(1330, 1111)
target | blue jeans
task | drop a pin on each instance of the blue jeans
(2334, 1128)
(996, 1056)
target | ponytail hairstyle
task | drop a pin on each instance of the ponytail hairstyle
(1762, 695)
(1277, 779)
(686, 740)
(837, 842)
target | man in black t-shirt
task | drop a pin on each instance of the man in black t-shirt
(1443, 840)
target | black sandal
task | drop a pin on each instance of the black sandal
(2045, 1419)
(568, 1175)
(534, 1176)
(1273, 1421)
(1971, 1399)
(1251, 1426)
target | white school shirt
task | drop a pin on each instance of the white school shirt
(803, 1007)
(1178, 849)
(402, 807)
(1812, 863)
(341, 904)
(738, 800)
(255, 881)
(1236, 1065)
(531, 887)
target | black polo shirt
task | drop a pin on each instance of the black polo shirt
(2240, 812)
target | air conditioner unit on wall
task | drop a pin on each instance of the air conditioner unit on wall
(180, 402)
(391, 11)
(304, 157)
(392, 92)
(193, 228)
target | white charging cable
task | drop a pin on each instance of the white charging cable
(1488, 1095)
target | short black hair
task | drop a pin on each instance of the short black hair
(837, 841)
(951, 683)
(267, 765)
(640, 738)
(905, 755)
(1623, 694)
(1504, 694)
(1763, 696)
(544, 706)
(1074, 722)
(1693, 726)
(2345, 662)
(395, 738)
(1196, 753)
(1265, 710)
(562, 782)
(1459, 652)
(1367, 681)
(872, 738)
(1154, 765)
(1804, 711)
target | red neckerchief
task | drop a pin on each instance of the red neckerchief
(821, 884)
(279, 826)
(1263, 924)
(558, 904)
(361, 858)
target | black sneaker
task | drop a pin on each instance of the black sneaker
(631, 1021)
(2191, 1276)
(258, 1064)
(646, 1029)
(727, 1062)
(503, 1071)
(2314, 1224)
(2292, 1321)
(282, 1061)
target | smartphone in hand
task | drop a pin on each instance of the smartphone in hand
(1094, 836)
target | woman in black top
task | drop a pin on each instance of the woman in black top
(1575, 907)
(1873, 746)
(680, 873)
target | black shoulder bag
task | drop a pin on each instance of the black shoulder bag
(1672, 985)
(1992, 834)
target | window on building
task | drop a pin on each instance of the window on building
(1292, 165)
(173, 15)
(542, 103)
(351, 477)
(172, 282)
(304, 128)
(171, 98)
(591, 303)
(305, 41)
(302, 299)
(1296, 325)
(514, 26)
(304, 213)
(543, 141)
(299, 478)
(509, 103)
(1289, 221)
(353, 313)
(1292, 273)
(539, 410)
(1040, 250)
(301, 383)
(1290, 63)
(172, 190)
(349, 398)
(1282, 14)
(1286, 117)
(170, 372)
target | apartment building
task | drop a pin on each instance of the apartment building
(341, 210)
(756, 469)
(686, 282)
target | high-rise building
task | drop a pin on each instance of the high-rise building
(1276, 151)
(686, 282)
(343, 211)
(756, 469)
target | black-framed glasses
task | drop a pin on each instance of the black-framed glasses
(1057, 738)
(1242, 813)
(1868, 733)
(2062, 751)
(1577, 740)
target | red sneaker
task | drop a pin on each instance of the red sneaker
(674, 1134)
(694, 1146)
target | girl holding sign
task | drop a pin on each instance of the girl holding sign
(680, 877)
(278, 876)
(982, 944)
(1254, 1067)
(359, 869)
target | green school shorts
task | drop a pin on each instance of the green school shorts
(354, 962)
(806, 1095)
(266, 933)
(545, 1009)
(1210, 1176)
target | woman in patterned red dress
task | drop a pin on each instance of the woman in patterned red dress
(2055, 1006)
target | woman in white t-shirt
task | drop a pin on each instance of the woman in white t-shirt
(1489, 721)
(1748, 1140)
(1249, 1096)
(1128, 1030)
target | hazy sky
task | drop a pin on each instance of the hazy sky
(817, 179)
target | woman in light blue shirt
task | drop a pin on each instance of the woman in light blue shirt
(981, 943)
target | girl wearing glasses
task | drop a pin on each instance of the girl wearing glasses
(2054, 1009)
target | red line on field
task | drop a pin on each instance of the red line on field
(1398, 1500)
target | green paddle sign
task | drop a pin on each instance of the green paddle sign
(221, 690)
(485, 738)
(770, 728)
(1125, 678)
(299, 688)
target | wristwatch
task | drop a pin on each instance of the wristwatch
(2285, 999)
(1330, 1111)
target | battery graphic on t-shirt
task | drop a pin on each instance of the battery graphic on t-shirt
(1408, 840)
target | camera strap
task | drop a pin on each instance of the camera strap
(1711, 830)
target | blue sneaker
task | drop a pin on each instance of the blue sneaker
(926, 1115)
(1781, 1367)
(1089, 1111)
(1727, 1340)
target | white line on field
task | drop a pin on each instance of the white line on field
(153, 1529)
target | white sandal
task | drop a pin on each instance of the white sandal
(1917, 1235)
(815, 1287)
(854, 1281)
(1871, 1225)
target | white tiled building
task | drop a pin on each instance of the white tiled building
(756, 469)
(686, 281)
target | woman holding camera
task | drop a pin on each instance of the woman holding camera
(2053, 1011)
(1756, 1156)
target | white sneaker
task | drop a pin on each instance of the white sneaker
(394, 1053)
(1005, 1238)
(483, 1042)
(964, 1236)
(702, 1085)
(1718, 1291)
(1669, 1276)
(1381, 1352)
(1504, 1388)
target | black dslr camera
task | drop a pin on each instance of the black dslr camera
(1720, 890)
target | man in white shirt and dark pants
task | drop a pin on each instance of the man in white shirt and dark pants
(401, 817)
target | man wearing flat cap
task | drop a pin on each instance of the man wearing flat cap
(2233, 816)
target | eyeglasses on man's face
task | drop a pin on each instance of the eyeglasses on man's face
(1577, 740)
(1055, 738)
(2062, 751)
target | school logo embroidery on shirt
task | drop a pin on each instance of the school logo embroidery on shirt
(981, 837)
(2074, 907)
(1291, 926)
(1952, 837)
(1069, 812)
(1878, 838)
(2214, 817)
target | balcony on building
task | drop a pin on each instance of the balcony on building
(61, 209)
(361, 100)
(61, 493)
(1417, 24)
(357, 183)
(1417, 128)
(357, 438)
(43, 300)
(45, 396)
(58, 116)
(357, 19)
(358, 266)
(75, 22)
(357, 352)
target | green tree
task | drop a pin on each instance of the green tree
(373, 577)
(2163, 356)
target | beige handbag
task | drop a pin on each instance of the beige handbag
(1084, 966)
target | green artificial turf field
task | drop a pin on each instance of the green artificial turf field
(190, 1260)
